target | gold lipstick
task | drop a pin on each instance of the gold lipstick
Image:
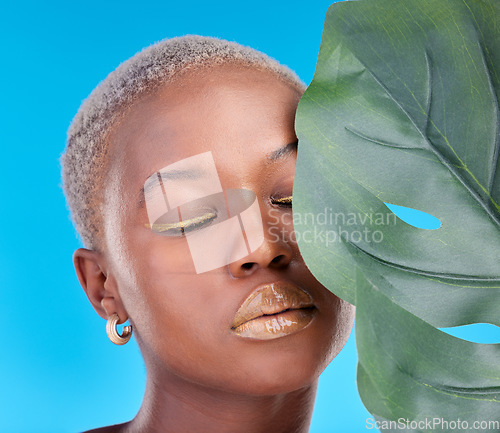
(273, 311)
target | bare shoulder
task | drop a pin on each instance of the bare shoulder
(117, 428)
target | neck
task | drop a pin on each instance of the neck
(171, 404)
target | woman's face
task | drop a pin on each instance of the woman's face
(224, 328)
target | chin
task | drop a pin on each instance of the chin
(281, 367)
(277, 378)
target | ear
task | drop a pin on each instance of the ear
(100, 287)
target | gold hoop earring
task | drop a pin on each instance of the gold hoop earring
(113, 332)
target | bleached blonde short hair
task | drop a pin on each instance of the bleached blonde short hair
(84, 160)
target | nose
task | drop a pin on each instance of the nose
(274, 253)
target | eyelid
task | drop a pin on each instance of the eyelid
(282, 200)
(185, 225)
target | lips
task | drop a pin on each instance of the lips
(274, 310)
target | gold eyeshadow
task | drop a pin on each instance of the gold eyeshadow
(180, 227)
(185, 225)
(282, 200)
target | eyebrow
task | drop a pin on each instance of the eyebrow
(283, 151)
(193, 174)
(171, 175)
(166, 176)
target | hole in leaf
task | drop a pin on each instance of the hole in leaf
(414, 217)
(483, 333)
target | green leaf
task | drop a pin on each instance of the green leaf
(403, 109)
(412, 371)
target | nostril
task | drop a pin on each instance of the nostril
(277, 259)
(247, 265)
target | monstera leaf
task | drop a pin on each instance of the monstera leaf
(403, 113)
(411, 372)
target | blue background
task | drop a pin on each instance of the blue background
(58, 370)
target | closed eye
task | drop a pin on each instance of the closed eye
(185, 226)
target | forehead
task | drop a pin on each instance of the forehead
(237, 113)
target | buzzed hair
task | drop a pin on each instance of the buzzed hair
(84, 161)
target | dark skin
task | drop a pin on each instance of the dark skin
(201, 376)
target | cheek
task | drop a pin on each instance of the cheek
(339, 322)
(161, 255)
(343, 322)
(150, 274)
(336, 317)
(179, 316)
